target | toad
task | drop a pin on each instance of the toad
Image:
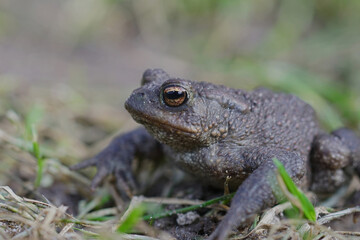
(223, 134)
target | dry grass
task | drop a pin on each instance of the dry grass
(23, 218)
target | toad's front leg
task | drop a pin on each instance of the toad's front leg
(117, 158)
(256, 193)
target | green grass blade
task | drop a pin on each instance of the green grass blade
(306, 205)
(131, 220)
(32, 118)
(37, 154)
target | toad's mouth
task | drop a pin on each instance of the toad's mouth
(161, 123)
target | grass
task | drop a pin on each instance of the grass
(39, 158)
(208, 203)
(132, 219)
(293, 193)
(32, 118)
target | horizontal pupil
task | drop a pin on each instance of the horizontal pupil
(174, 94)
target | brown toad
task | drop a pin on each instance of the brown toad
(218, 133)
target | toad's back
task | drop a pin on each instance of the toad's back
(276, 120)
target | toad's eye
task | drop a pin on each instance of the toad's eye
(174, 96)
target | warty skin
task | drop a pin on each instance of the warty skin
(218, 133)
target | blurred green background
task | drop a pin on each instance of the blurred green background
(96, 50)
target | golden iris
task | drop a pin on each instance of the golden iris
(174, 96)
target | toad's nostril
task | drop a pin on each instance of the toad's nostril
(140, 96)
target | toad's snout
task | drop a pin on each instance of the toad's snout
(139, 102)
